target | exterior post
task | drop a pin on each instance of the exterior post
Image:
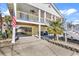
(65, 34)
(55, 18)
(57, 37)
(39, 14)
(65, 37)
(14, 31)
(51, 18)
(45, 17)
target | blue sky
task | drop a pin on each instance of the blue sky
(70, 11)
(4, 9)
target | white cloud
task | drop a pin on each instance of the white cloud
(63, 11)
(76, 22)
(6, 12)
(69, 11)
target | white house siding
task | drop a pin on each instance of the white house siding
(45, 7)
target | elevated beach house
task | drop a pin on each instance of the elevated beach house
(32, 18)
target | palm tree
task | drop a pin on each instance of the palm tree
(55, 28)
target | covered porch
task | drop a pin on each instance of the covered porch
(30, 29)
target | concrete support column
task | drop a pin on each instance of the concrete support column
(65, 33)
(14, 28)
(57, 37)
(65, 37)
(39, 14)
(55, 18)
(51, 17)
(45, 16)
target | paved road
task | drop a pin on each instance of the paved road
(34, 47)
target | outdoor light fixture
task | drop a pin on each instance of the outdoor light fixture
(32, 11)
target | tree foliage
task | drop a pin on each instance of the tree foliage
(9, 27)
(55, 27)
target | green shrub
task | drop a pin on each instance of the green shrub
(0, 34)
(9, 32)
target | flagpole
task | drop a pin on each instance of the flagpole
(14, 29)
(13, 35)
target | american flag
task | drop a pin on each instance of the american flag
(13, 20)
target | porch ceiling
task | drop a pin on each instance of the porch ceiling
(21, 23)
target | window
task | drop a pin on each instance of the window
(20, 15)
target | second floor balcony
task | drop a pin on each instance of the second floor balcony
(30, 17)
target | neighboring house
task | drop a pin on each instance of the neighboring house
(3, 26)
(32, 18)
(76, 27)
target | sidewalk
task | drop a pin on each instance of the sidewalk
(32, 46)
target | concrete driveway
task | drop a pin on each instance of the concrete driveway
(32, 46)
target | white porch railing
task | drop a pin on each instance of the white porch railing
(29, 17)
